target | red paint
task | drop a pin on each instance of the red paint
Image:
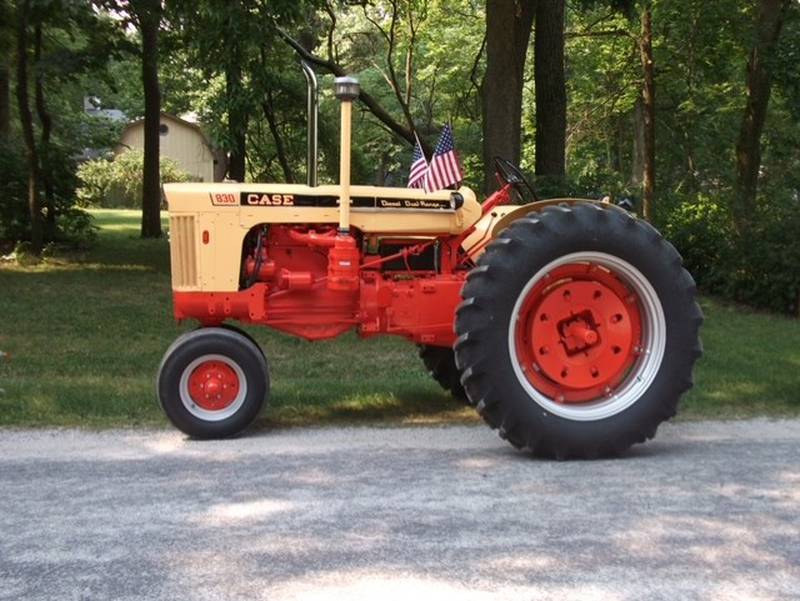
(578, 333)
(213, 385)
(344, 264)
(313, 238)
(313, 290)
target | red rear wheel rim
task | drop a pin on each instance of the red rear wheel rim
(578, 333)
(213, 385)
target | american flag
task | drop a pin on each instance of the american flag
(444, 169)
(419, 167)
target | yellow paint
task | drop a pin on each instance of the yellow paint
(215, 267)
(217, 263)
(344, 166)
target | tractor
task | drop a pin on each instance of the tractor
(570, 325)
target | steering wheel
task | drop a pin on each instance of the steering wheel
(509, 173)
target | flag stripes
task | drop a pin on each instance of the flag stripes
(444, 169)
(419, 167)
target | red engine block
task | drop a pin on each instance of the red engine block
(317, 284)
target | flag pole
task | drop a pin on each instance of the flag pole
(421, 147)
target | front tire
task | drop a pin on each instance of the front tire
(212, 382)
(578, 332)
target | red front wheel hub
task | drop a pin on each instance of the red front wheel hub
(213, 385)
(578, 333)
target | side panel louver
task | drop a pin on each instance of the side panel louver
(183, 251)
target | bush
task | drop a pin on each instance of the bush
(766, 261)
(701, 231)
(69, 226)
(77, 227)
(14, 220)
(758, 266)
(118, 183)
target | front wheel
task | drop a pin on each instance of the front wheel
(212, 382)
(578, 332)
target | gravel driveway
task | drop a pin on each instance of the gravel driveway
(708, 510)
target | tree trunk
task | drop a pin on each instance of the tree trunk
(648, 113)
(508, 30)
(5, 101)
(637, 159)
(237, 118)
(149, 15)
(280, 150)
(26, 121)
(47, 128)
(551, 89)
(748, 148)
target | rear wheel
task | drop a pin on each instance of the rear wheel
(441, 365)
(212, 382)
(578, 332)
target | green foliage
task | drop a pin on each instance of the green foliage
(77, 226)
(765, 267)
(118, 183)
(72, 226)
(76, 43)
(13, 191)
(701, 231)
(228, 65)
(440, 42)
(758, 266)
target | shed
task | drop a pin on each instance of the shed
(184, 142)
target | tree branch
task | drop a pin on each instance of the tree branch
(374, 107)
(394, 83)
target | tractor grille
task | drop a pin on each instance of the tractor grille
(183, 251)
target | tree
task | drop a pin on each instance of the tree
(647, 112)
(148, 17)
(508, 30)
(367, 99)
(236, 48)
(551, 91)
(46, 123)
(6, 50)
(5, 105)
(768, 25)
(26, 121)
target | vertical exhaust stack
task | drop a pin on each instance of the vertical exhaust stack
(344, 258)
(347, 90)
(312, 114)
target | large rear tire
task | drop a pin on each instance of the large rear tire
(578, 332)
(212, 382)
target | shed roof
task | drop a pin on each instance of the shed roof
(188, 124)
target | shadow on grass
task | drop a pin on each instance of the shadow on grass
(412, 405)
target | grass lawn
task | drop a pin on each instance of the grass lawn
(85, 335)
